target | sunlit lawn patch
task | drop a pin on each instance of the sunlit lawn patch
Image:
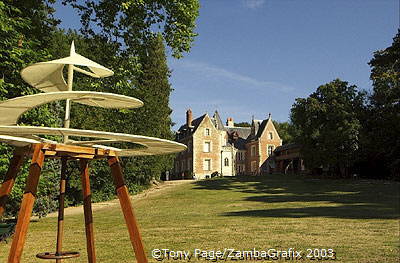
(359, 220)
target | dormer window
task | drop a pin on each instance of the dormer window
(207, 132)
(270, 135)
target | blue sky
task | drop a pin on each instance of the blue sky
(253, 57)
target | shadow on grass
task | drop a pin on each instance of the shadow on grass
(297, 197)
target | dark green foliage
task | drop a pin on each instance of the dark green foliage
(133, 22)
(328, 125)
(25, 28)
(340, 127)
(153, 119)
(380, 137)
(128, 47)
(243, 124)
(6, 231)
(19, 47)
(285, 130)
(144, 77)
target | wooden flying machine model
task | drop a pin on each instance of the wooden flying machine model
(48, 77)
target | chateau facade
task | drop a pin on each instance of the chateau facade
(226, 149)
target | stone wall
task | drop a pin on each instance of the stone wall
(199, 139)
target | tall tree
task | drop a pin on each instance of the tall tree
(154, 89)
(328, 125)
(25, 30)
(131, 22)
(129, 27)
(285, 130)
(382, 119)
(154, 118)
(115, 34)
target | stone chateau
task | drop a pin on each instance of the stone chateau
(226, 149)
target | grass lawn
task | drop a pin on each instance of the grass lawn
(359, 220)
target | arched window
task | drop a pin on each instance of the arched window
(226, 162)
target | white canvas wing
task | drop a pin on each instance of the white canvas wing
(12, 109)
(48, 76)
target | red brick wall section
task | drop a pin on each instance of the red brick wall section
(251, 158)
(186, 156)
(265, 141)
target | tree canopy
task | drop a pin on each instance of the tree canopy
(131, 22)
(25, 30)
(285, 130)
(381, 129)
(339, 126)
(328, 125)
(130, 38)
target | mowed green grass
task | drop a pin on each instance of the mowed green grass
(358, 219)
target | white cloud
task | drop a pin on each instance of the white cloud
(213, 71)
(253, 4)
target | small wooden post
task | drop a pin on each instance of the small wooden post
(126, 206)
(61, 201)
(27, 205)
(87, 206)
(9, 180)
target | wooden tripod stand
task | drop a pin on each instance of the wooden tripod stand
(65, 152)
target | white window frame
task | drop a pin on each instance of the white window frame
(205, 147)
(207, 162)
(207, 131)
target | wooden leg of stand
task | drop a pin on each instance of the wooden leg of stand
(87, 205)
(61, 201)
(8, 183)
(28, 200)
(125, 201)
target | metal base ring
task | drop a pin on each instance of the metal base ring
(62, 255)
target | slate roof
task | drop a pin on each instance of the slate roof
(255, 128)
(261, 128)
(242, 132)
(287, 147)
(240, 144)
(184, 130)
(218, 122)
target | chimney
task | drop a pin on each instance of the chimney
(229, 122)
(189, 117)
